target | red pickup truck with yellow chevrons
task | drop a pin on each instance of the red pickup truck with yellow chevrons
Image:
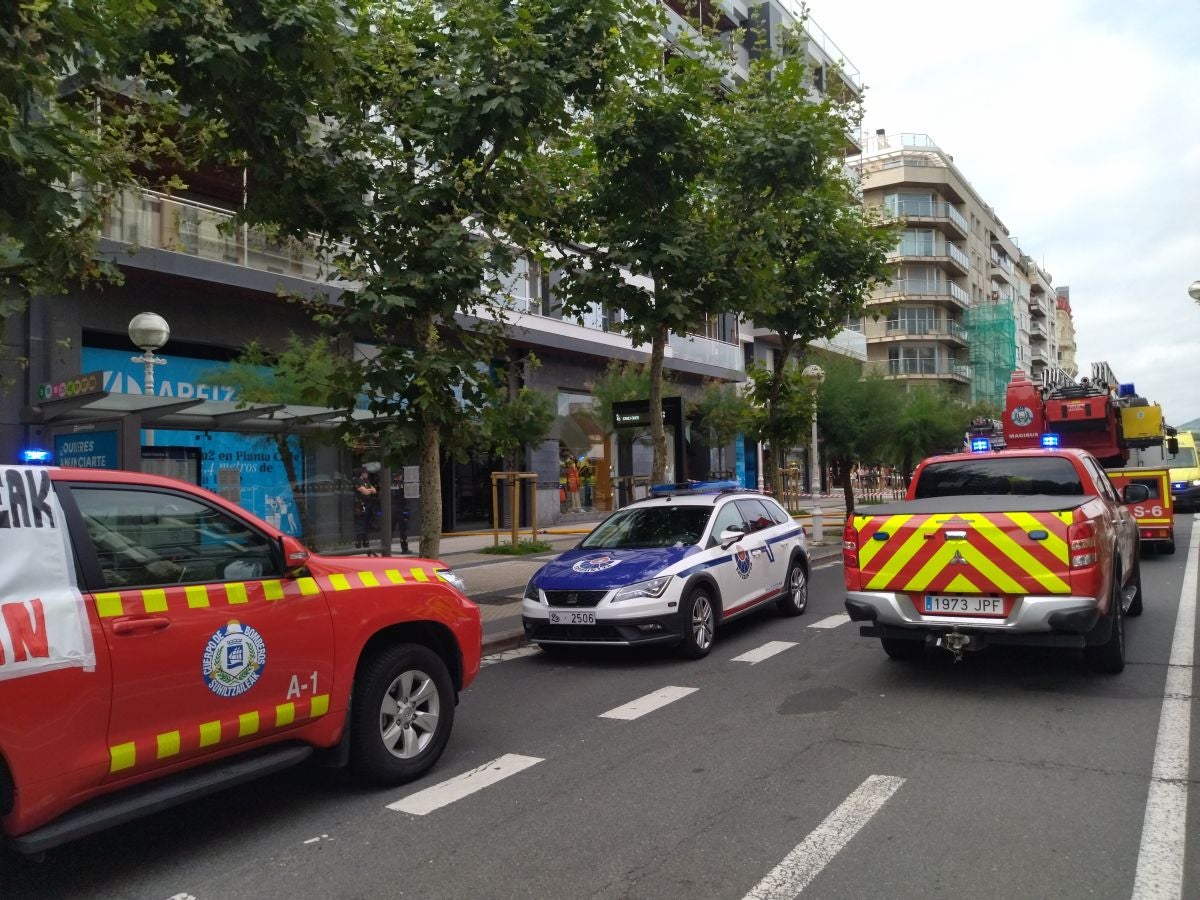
(1030, 547)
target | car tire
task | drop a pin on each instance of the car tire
(1109, 658)
(1135, 604)
(699, 624)
(402, 714)
(1168, 547)
(795, 601)
(900, 648)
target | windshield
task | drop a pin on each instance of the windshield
(1158, 458)
(1031, 475)
(654, 526)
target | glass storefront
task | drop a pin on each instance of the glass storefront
(585, 469)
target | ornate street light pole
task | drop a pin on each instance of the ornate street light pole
(1194, 290)
(149, 331)
(814, 375)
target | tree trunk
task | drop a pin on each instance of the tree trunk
(289, 468)
(772, 474)
(658, 435)
(430, 449)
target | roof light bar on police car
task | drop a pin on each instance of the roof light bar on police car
(693, 487)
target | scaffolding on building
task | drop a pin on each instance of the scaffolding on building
(993, 329)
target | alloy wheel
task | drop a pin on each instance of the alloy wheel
(409, 714)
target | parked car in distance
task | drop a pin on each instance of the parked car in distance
(671, 569)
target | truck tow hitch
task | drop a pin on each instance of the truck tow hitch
(955, 643)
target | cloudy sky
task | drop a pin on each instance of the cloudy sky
(1078, 121)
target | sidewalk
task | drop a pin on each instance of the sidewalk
(496, 583)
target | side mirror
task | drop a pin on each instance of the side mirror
(293, 552)
(1172, 446)
(1135, 493)
(729, 536)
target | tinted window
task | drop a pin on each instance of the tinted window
(148, 538)
(650, 526)
(777, 512)
(756, 515)
(729, 516)
(1021, 475)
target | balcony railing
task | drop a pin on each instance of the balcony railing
(699, 349)
(931, 329)
(926, 367)
(932, 249)
(1002, 262)
(910, 286)
(152, 220)
(928, 209)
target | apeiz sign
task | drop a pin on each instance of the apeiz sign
(43, 623)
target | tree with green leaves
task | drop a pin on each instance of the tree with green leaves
(780, 415)
(927, 422)
(722, 413)
(639, 219)
(807, 248)
(856, 415)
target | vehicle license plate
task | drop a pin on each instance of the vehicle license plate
(964, 606)
(572, 617)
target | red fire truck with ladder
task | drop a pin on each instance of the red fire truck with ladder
(1109, 420)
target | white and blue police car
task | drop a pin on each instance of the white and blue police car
(671, 568)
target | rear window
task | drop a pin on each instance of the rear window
(1020, 475)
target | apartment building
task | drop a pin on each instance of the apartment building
(965, 306)
(1064, 332)
(218, 287)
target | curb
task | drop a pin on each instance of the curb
(504, 640)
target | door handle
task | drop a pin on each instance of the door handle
(139, 624)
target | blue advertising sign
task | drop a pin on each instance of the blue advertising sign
(87, 450)
(243, 467)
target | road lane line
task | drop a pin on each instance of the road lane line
(432, 798)
(766, 651)
(831, 622)
(827, 566)
(824, 842)
(648, 704)
(506, 655)
(1164, 838)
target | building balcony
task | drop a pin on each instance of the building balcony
(1038, 306)
(706, 351)
(934, 370)
(849, 342)
(1038, 330)
(930, 212)
(940, 252)
(946, 330)
(921, 290)
(150, 220)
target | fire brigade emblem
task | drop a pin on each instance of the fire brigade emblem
(233, 660)
(595, 564)
(741, 560)
(1022, 416)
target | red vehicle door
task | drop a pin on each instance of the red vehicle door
(210, 646)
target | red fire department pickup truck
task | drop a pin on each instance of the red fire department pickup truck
(158, 643)
(1028, 547)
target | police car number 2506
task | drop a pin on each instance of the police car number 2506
(572, 617)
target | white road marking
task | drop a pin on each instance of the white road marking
(432, 798)
(831, 622)
(1160, 857)
(824, 842)
(506, 655)
(826, 566)
(648, 704)
(766, 651)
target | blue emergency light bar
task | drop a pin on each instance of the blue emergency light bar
(1051, 441)
(694, 487)
(33, 457)
(1126, 390)
(980, 445)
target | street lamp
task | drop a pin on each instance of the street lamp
(814, 375)
(149, 331)
(1194, 290)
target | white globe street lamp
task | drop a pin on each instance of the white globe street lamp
(813, 376)
(1194, 290)
(149, 331)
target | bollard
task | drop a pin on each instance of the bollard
(818, 526)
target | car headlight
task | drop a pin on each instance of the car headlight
(453, 578)
(652, 588)
(532, 593)
(1196, 482)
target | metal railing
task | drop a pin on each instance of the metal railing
(910, 286)
(928, 209)
(932, 329)
(712, 352)
(930, 367)
(925, 248)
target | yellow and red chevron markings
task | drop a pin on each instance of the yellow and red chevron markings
(234, 593)
(188, 742)
(999, 555)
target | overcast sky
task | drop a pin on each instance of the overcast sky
(1078, 121)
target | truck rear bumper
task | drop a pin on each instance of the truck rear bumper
(1030, 615)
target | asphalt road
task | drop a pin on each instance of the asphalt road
(821, 764)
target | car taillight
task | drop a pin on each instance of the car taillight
(850, 545)
(1081, 539)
